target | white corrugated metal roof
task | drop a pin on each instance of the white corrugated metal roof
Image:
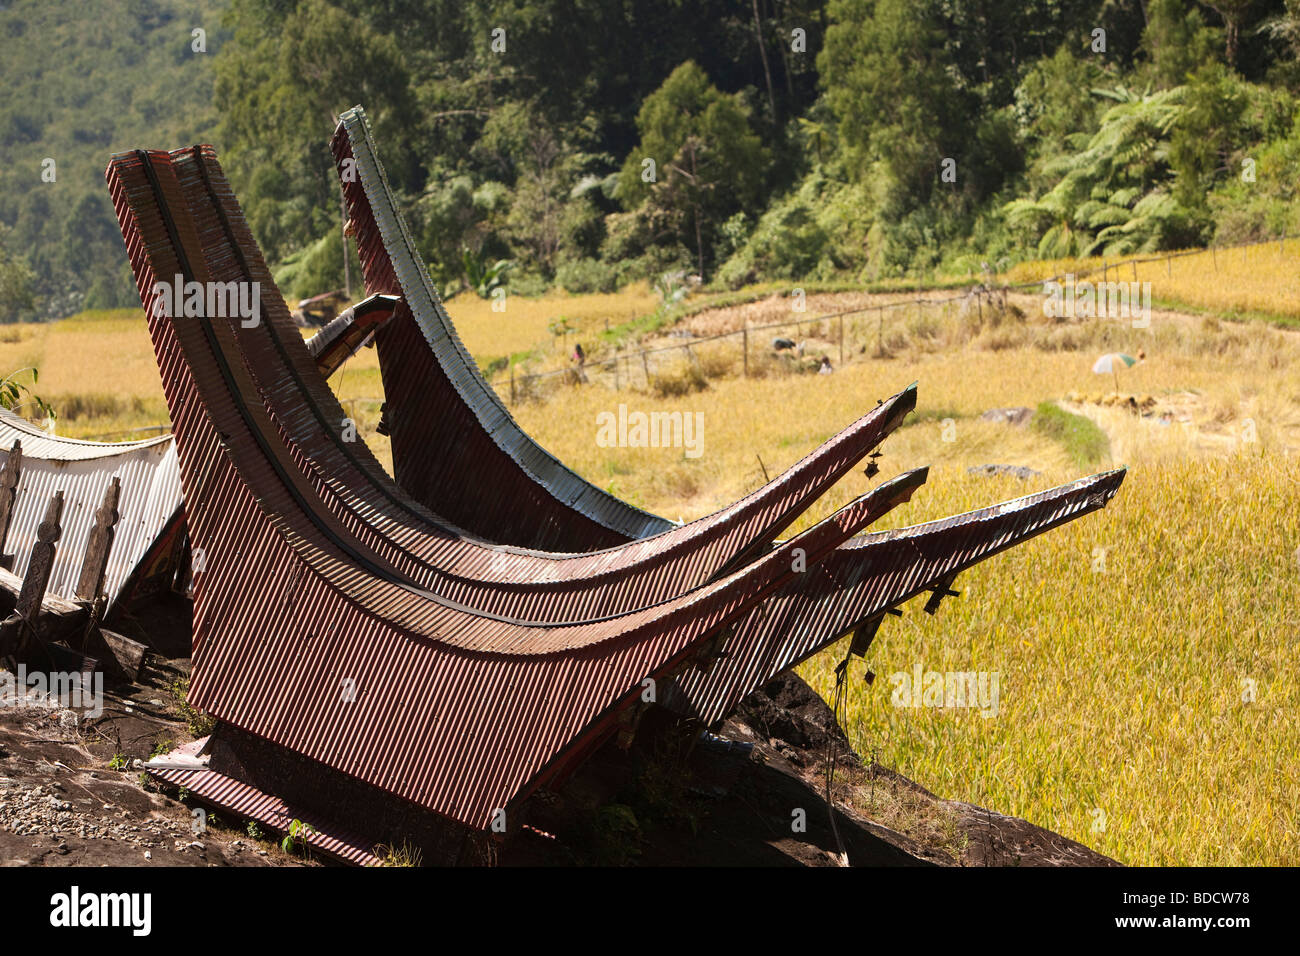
(83, 470)
(38, 443)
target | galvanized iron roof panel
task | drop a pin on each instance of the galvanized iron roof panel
(83, 471)
(284, 614)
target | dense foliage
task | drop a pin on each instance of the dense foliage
(79, 82)
(586, 143)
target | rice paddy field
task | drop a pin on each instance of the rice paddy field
(1147, 656)
(1261, 280)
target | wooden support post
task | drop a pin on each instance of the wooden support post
(9, 476)
(744, 345)
(42, 562)
(645, 366)
(512, 384)
(91, 582)
(1135, 270)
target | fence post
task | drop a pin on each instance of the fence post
(690, 354)
(1169, 267)
(841, 339)
(744, 345)
(1214, 258)
(1135, 270)
(616, 371)
(512, 384)
(646, 366)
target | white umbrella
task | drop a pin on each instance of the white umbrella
(1112, 362)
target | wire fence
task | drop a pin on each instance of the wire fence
(669, 369)
(677, 368)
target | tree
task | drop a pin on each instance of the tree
(545, 164)
(17, 299)
(707, 162)
(1114, 197)
(1233, 13)
(890, 81)
(1177, 41)
(291, 68)
(1208, 133)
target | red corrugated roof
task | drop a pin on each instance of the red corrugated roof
(288, 612)
(402, 535)
(432, 387)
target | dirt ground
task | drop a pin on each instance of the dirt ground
(752, 795)
(72, 792)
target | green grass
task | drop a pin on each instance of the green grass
(1084, 442)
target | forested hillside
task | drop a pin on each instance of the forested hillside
(81, 81)
(590, 143)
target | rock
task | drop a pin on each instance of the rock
(1018, 416)
(1020, 471)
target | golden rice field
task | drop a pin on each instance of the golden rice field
(1124, 642)
(1127, 643)
(525, 323)
(1261, 280)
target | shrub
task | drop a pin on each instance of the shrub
(313, 269)
(586, 275)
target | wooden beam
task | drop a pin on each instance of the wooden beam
(118, 654)
(42, 562)
(91, 583)
(9, 476)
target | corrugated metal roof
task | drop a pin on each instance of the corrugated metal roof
(400, 535)
(869, 575)
(151, 494)
(317, 641)
(421, 359)
(225, 792)
(476, 419)
(455, 710)
(39, 443)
